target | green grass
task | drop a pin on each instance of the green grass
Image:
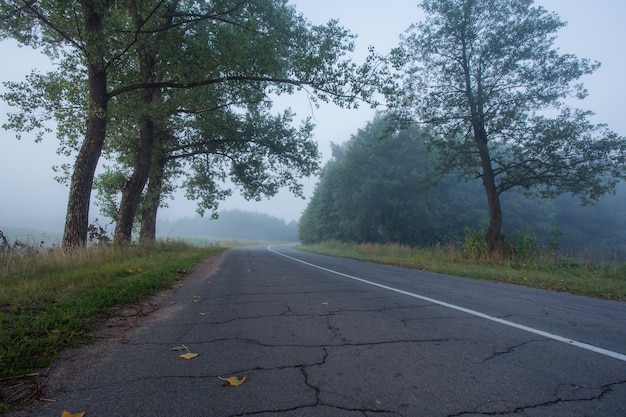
(53, 300)
(602, 280)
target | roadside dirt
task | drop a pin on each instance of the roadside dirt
(40, 386)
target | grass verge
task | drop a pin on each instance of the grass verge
(53, 300)
(602, 280)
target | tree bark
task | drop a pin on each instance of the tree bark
(77, 216)
(152, 199)
(475, 102)
(131, 194)
(489, 183)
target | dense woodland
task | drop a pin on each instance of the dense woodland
(378, 188)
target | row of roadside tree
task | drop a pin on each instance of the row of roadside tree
(179, 93)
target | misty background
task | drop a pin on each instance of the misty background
(30, 198)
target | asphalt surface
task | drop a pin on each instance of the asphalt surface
(311, 342)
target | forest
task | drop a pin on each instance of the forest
(378, 188)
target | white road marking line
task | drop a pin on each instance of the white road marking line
(558, 338)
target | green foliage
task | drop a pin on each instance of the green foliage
(379, 190)
(374, 190)
(520, 246)
(178, 89)
(485, 78)
(56, 299)
(474, 245)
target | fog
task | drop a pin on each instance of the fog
(30, 197)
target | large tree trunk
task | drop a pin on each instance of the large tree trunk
(131, 194)
(152, 199)
(493, 197)
(77, 216)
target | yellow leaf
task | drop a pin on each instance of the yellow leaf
(233, 381)
(188, 355)
(66, 414)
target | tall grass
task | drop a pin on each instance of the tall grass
(53, 299)
(577, 276)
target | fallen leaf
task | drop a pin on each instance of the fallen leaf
(202, 314)
(196, 298)
(188, 355)
(233, 381)
(66, 414)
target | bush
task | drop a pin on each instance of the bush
(520, 246)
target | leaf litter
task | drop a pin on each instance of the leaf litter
(233, 381)
(187, 355)
(67, 414)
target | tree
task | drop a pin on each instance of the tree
(203, 124)
(265, 46)
(485, 77)
(256, 151)
(373, 191)
(90, 34)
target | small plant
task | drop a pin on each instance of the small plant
(98, 234)
(11, 252)
(520, 246)
(553, 246)
(523, 245)
(474, 245)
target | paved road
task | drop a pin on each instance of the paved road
(369, 341)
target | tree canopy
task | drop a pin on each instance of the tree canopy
(374, 190)
(485, 78)
(377, 189)
(137, 77)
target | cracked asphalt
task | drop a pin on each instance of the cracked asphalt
(313, 343)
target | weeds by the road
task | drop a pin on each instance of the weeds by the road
(50, 300)
(603, 280)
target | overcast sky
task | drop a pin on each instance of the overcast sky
(595, 30)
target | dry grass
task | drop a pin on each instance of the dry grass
(577, 276)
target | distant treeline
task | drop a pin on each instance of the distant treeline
(232, 224)
(382, 190)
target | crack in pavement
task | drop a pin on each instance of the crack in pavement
(511, 349)
(305, 345)
(364, 412)
(604, 390)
